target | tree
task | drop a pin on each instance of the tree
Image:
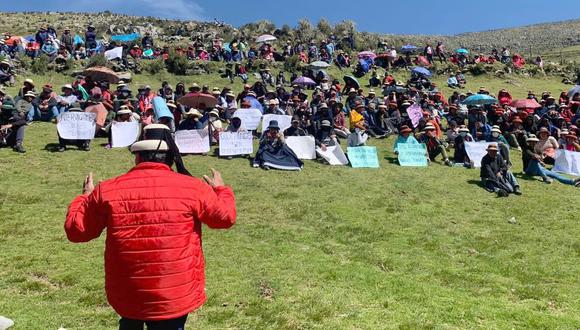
(305, 30)
(345, 28)
(324, 27)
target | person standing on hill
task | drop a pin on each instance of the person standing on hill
(154, 264)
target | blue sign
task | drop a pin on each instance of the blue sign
(412, 154)
(363, 157)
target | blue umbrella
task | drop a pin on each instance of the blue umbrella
(254, 103)
(409, 48)
(479, 99)
(421, 70)
(303, 81)
(462, 51)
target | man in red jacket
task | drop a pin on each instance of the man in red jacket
(154, 265)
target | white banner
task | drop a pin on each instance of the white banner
(567, 162)
(250, 118)
(303, 146)
(476, 151)
(283, 121)
(238, 143)
(76, 125)
(124, 134)
(114, 53)
(333, 155)
(194, 141)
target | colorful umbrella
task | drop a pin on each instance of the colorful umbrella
(462, 51)
(303, 81)
(422, 71)
(366, 54)
(99, 73)
(409, 48)
(525, 103)
(350, 80)
(198, 100)
(479, 99)
(319, 65)
(265, 38)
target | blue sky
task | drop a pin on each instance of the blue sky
(384, 16)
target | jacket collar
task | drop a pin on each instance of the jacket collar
(150, 166)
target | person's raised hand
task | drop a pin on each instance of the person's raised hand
(88, 185)
(216, 179)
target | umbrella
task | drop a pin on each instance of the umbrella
(198, 100)
(462, 51)
(422, 71)
(409, 48)
(99, 73)
(525, 103)
(350, 80)
(479, 99)
(396, 88)
(367, 54)
(573, 91)
(303, 81)
(319, 65)
(265, 38)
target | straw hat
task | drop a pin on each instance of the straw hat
(30, 93)
(29, 81)
(429, 127)
(496, 130)
(491, 147)
(463, 128)
(67, 86)
(124, 110)
(532, 138)
(155, 126)
(149, 145)
(326, 123)
(273, 102)
(214, 112)
(193, 113)
(405, 129)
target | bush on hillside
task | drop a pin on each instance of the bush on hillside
(40, 64)
(153, 66)
(97, 60)
(477, 69)
(177, 64)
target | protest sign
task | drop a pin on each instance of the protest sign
(363, 157)
(415, 114)
(412, 154)
(124, 134)
(250, 118)
(160, 108)
(476, 151)
(114, 53)
(333, 155)
(195, 141)
(567, 162)
(238, 143)
(76, 125)
(283, 121)
(303, 146)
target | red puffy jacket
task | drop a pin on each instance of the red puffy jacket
(154, 266)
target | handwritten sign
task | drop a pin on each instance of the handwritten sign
(194, 141)
(363, 157)
(123, 134)
(415, 114)
(303, 146)
(283, 121)
(567, 162)
(333, 155)
(238, 143)
(250, 118)
(412, 154)
(76, 125)
(476, 151)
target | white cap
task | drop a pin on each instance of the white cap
(149, 145)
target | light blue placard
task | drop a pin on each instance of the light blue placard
(412, 154)
(363, 157)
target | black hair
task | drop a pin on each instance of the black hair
(155, 157)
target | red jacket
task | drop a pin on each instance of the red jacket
(154, 266)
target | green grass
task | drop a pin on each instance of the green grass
(326, 248)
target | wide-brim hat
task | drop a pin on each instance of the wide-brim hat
(149, 145)
(463, 129)
(273, 102)
(496, 130)
(75, 109)
(325, 123)
(571, 135)
(405, 129)
(273, 124)
(491, 147)
(30, 94)
(323, 106)
(67, 86)
(193, 113)
(125, 111)
(5, 62)
(214, 112)
(543, 130)
(532, 138)
(29, 81)
(352, 90)
(429, 127)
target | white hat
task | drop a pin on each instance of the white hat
(149, 145)
(171, 104)
(30, 93)
(231, 94)
(463, 129)
(30, 81)
(273, 102)
(67, 86)
(532, 138)
(125, 111)
(496, 130)
(155, 126)
(193, 112)
(214, 112)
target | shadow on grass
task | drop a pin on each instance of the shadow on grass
(51, 147)
(392, 160)
(525, 176)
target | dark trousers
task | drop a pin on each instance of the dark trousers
(171, 324)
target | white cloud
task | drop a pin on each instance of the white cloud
(178, 9)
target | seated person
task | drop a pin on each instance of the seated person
(325, 136)
(43, 106)
(453, 132)
(65, 100)
(191, 120)
(547, 146)
(81, 144)
(534, 165)
(358, 135)
(495, 175)
(295, 129)
(405, 136)
(123, 115)
(339, 121)
(235, 125)
(434, 145)
(496, 136)
(274, 153)
(460, 155)
(373, 127)
(570, 142)
(12, 131)
(452, 81)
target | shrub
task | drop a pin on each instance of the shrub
(153, 66)
(40, 65)
(292, 63)
(477, 69)
(97, 60)
(177, 64)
